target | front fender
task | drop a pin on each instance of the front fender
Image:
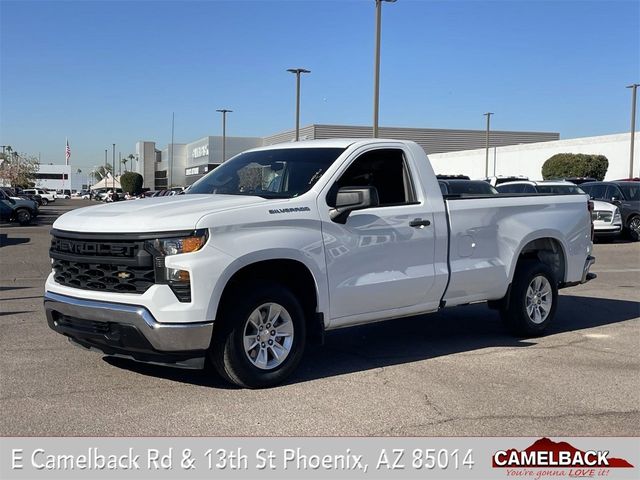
(318, 274)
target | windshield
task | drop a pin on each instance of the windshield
(283, 173)
(560, 189)
(630, 192)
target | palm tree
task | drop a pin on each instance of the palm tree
(124, 162)
(130, 158)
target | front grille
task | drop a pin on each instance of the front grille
(95, 247)
(109, 265)
(105, 277)
(86, 326)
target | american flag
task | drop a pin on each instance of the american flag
(67, 152)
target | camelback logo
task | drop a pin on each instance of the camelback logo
(545, 453)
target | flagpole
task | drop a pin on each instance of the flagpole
(66, 161)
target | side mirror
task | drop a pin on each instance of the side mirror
(349, 199)
(615, 201)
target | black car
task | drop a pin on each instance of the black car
(18, 192)
(466, 187)
(626, 195)
(17, 209)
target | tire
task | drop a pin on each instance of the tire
(240, 350)
(45, 202)
(634, 228)
(527, 313)
(23, 216)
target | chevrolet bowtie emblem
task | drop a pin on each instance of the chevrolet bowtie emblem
(123, 275)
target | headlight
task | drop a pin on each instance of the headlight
(177, 245)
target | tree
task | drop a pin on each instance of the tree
(131, 183)
(564, 165)
(18, 170)
(124, 162)
(102, 171)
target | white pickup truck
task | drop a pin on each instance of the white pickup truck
(279, 244)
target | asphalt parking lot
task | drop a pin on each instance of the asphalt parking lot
(452, 373)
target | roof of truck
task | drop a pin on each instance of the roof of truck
(326, 143)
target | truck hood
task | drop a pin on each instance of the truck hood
(180, 212)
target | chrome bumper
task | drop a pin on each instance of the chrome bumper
(66, 315)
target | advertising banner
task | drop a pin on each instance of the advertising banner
(527, 458)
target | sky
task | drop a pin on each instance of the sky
(99, 73)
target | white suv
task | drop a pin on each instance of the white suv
(46, 195)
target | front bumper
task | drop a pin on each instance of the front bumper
(608, 230)
(128, 331)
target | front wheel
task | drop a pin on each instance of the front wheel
(634, 228)
(24, 216)
(532, 301)
(260, 338)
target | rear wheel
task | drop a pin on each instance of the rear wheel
(45, 202)
(23, 216)
(634, 228)
(260, 337)
(532, 301)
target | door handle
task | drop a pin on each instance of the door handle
(419, 223)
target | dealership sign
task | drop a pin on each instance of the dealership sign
(546, 453)
(202, 151)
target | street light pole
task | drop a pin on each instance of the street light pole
(298, 71)
(113, 170)
(633, 88)
(486, 159)
(224, 112)
(376, 69)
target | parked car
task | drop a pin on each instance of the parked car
(466, 187)
(578, 180)
(19, 193)
(452, 177)
(359, 232)
(15, 209)
(606, 218)
(556, 187)
(626, 196)
(46, 195)
(65, 194)
(495, 181)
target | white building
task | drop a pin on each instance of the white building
(527, 159)
(61, 177)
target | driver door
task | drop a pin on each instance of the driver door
(380, 259)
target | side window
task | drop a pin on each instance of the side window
(596, 191)
(443, 188)
(384, 169)
(613, 191)
(526, 188)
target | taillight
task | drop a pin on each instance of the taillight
(590, 209)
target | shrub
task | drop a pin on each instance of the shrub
(131, 183)
(563, 165)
